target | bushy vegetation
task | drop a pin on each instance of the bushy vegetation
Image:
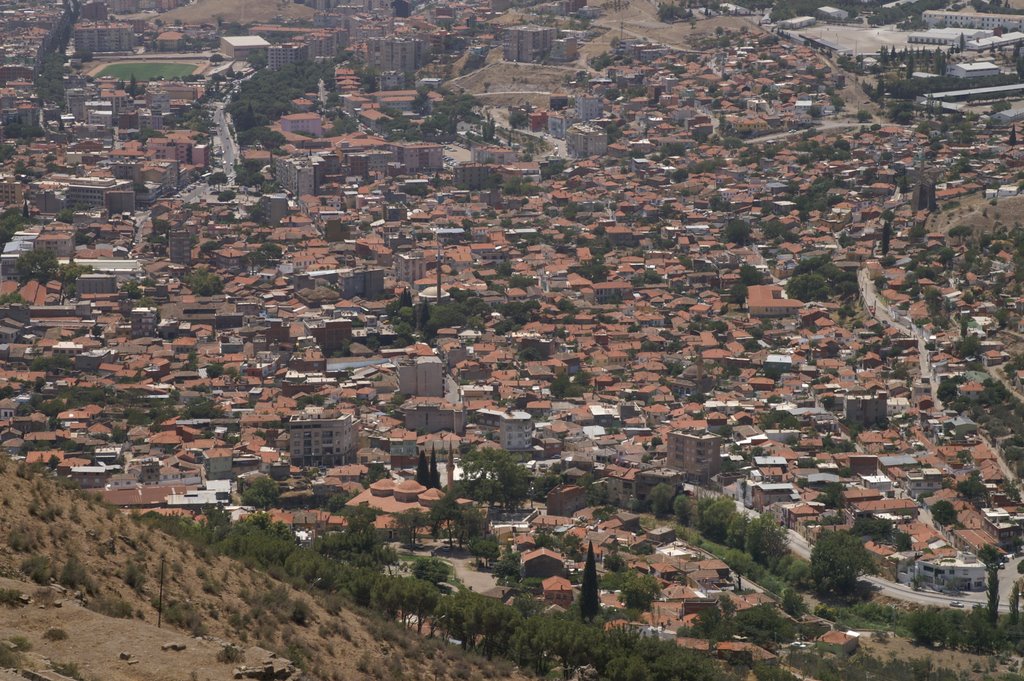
(482, 625)
(55, 634)
(268, 95)
(10, 597)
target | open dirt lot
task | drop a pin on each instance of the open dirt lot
(859, 39)
(242, 11)
(902, 649)
(515, 79)
(639, 19)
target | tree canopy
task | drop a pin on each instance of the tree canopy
(837, 563)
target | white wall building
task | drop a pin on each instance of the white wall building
(977, 69)
(516, 431)
(963, 572)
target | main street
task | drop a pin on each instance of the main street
(225, 141)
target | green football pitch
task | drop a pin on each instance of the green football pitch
(147, 70)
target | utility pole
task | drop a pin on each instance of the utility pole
(160, 598)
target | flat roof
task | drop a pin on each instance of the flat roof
(245, 41)
(975, 91)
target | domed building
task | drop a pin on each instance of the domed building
(392, 496)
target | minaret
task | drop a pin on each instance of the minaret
(439, 260)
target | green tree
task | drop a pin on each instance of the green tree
(485, 549)
(435, 475)
(433, 570)
(973, 488)
(661, 498)
(714, 516)
(837, 562)
(793, 603)
(590, 602)
(639, 590)
(38, 265)
(1015, 605)
(992, 563)
(496, 477)
(408, 525)
(423, 470)
(926, 626)
(737, 232)
(507, 567)
(943, 512)
(765, 539)
(262, 493)
(203, 282)
(682, 508)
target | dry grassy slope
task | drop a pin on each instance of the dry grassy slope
(979, 215)
(242, 11)
(230, 602)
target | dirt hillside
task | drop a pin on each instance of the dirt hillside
(110, 564)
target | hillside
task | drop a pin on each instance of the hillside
(113, 563)
(242, 11)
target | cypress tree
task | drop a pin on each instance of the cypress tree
(422, 471)
(590, 603)
(1015, 605)
(992, 592)
(435, 476)
(886, 236)
(1013, 137)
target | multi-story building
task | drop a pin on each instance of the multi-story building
(305, 123)
(242, 46)
(422, 376)
(515, 432)
(583, 140)
(179, 246)
(589, 107)
(528, 43)
(410, 267)
(963, 572)
(418, 156)
(394, 53)
(697, 454)
(867, 410)
(299, 174)
(144, 320)
(88, 192)
(973, 20)
(279, 56)
(104, 36)
(321, 439)
(12, 192)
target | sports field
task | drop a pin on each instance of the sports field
(147, 70)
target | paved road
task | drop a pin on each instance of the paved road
(902, 592)
(881, 311)
(834, 126)
(226, 141)
(801, 548)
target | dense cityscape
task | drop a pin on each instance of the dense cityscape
(470, 340)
